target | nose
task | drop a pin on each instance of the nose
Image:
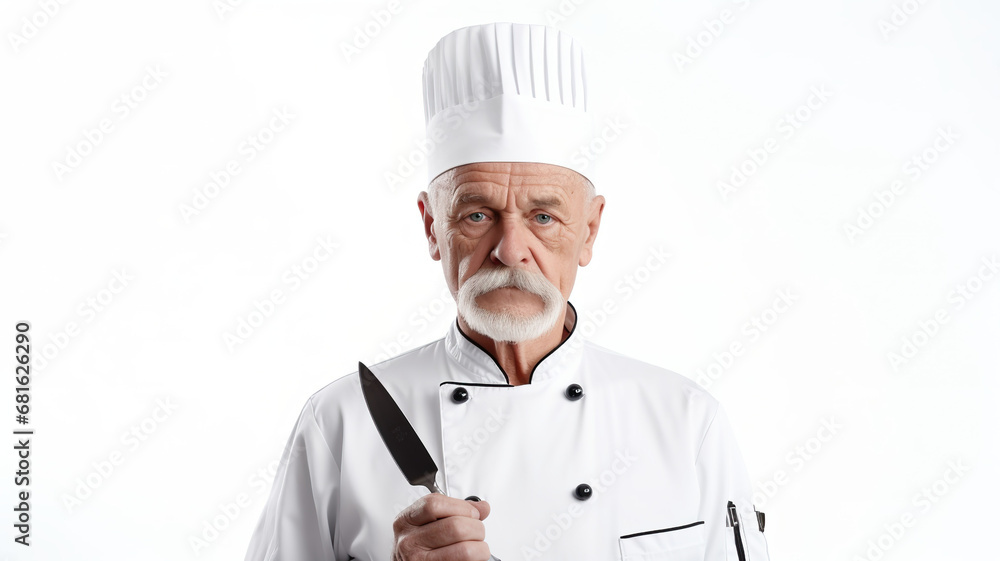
(512, 247)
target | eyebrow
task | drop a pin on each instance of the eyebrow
(551, 201)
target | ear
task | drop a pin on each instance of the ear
(593, 224)
(423, 203)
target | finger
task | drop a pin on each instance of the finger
(435, 506)
(448, 531)
(461, 551)
(484, 508)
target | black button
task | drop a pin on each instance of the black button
(473, 498)
(583, 491)
(574, 392)
(460, 395)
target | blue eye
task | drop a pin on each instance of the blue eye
(479, 213)
(547, 216)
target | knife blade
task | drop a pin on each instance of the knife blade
(403, 443)
(397, 433)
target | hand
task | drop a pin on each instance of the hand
(441, 528)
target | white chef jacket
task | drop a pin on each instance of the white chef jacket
(654, 449)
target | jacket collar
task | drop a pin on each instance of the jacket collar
(479, 366)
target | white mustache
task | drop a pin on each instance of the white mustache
(504, 326)
(486, 280)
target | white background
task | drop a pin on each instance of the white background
(159, 337)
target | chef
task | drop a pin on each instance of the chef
(549, 446)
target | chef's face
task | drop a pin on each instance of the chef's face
(528, 216)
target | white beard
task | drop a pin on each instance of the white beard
(512, 327)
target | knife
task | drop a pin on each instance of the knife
(397, 433)
(402, 441)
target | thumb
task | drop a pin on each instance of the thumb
(483, 507)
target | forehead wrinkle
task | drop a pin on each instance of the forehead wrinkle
(546, 198)
(472, 192)
(487, 182)
(513, 176)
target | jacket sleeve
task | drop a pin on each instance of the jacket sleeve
(299, 519)
(726, 493)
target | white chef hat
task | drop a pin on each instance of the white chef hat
(507, 92)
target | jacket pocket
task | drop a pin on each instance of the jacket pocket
(745, 534)
(680, 543)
